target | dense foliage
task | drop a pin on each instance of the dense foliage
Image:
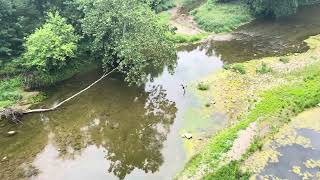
(50, 47)
(49, 50)
(126, 34)
(276, 8)
(118, 31)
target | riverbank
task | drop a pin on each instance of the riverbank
(193, 21)
(268, 92)
(14, 92)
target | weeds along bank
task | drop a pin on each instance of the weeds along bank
(267, 92)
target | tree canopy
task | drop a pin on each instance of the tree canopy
(50, 46)
(276, 8)
(127, 34)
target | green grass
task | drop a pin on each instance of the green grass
(222, 17)
(231, 171)
(10, 92)
(203, 86)
(183, 38)
(164, 18)
(263, 69)
(237, 67)
(293, 98)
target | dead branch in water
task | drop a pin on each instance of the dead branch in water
(11, 114)
(15, 115)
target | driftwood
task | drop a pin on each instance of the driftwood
(15, 115)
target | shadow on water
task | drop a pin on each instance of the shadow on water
(111, 131)
(263, 38)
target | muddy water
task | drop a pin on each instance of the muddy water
(111, 131)
(114, 131)
(264, 38)
(297, 160)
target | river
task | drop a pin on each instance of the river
(114, 131)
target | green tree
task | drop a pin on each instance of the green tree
(51, 47)
(7, 27)
(277, 8)
(126, 34)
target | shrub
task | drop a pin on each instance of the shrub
(239, 68)
(235, 67)
(203, 86)
(263, 69)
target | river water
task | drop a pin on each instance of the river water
(113, 131)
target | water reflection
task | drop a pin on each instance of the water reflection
(130, 126)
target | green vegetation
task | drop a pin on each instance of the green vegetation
(50, 49)
(161, 5)
(203, 86)
(221, 17)
(263, 69)
(226, 15)
(66, 36)
(276, 8)
(231, 171)
(134, 42)
(293, 98)
(184, 38)
(189, 5)
(237, 67)
(164, 18)
(10, 92)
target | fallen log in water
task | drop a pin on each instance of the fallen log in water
(15, 115)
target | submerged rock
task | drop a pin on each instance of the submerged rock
(11, 133)
(4, 158)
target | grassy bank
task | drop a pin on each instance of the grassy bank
(221, 17)
(13, 85)
(291, 87)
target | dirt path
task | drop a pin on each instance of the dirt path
(184, 23)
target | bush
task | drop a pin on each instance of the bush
(51, 47)
(203, 86)
(263, 69)
(165, 5)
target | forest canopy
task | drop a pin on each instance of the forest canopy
(116, 33)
